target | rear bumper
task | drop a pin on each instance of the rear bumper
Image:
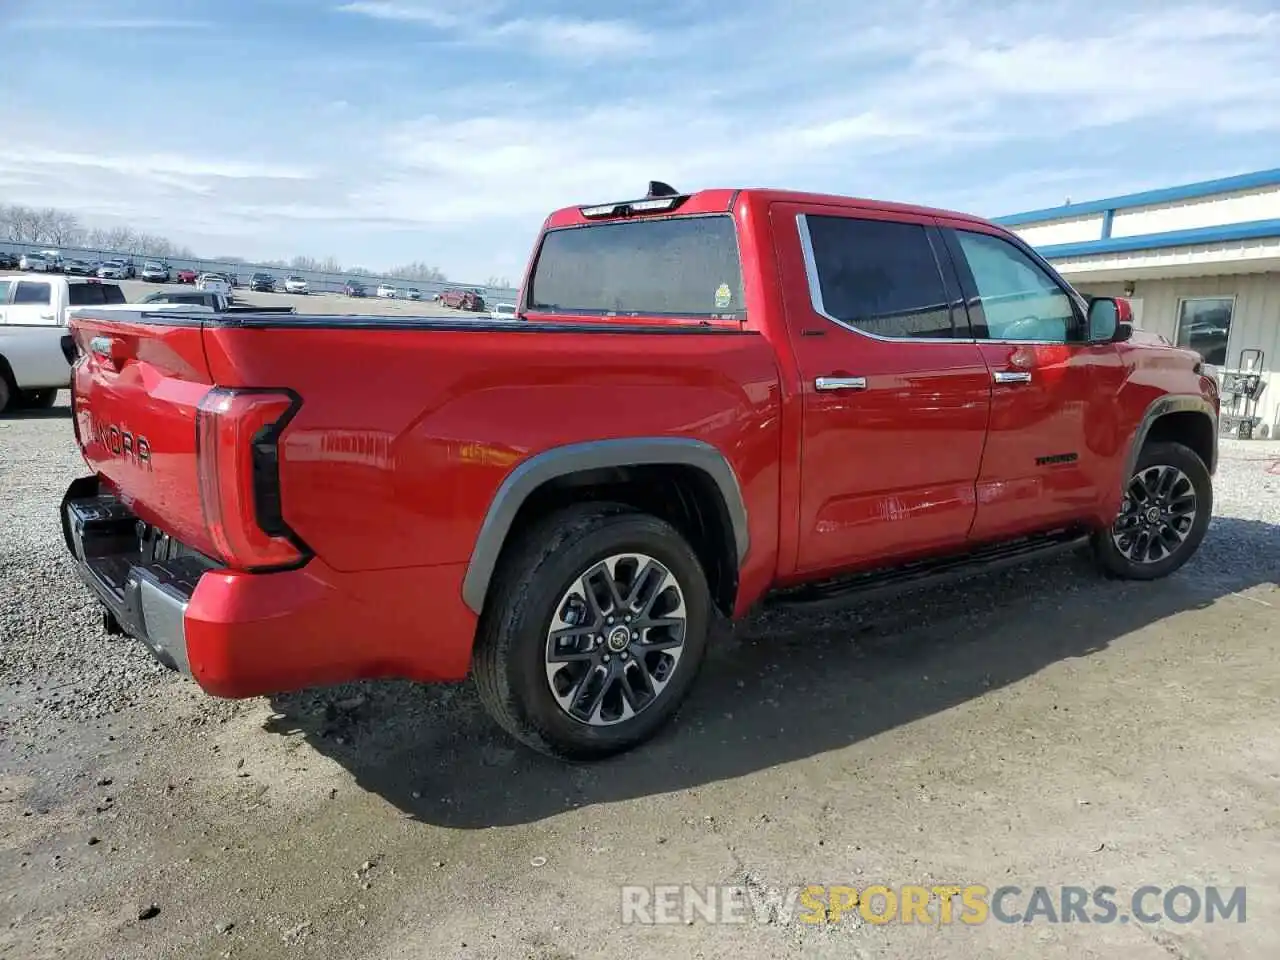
(147, 596)
(242, 635)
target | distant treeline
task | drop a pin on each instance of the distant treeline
(58, 228)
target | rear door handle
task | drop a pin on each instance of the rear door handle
(1012, 376)
(841, 383)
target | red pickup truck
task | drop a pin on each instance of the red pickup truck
(714, 400)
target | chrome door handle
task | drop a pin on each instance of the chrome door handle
(841, 383)
(1012, 376)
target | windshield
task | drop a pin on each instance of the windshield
(679, 267)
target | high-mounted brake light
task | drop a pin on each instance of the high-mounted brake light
(237, 458)
(661, 196)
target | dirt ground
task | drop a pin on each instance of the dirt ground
(1040, 727)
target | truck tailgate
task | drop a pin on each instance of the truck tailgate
(135, 393)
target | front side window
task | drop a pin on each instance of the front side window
(879, 276)
(28, 292)
(1204, 324)
(1018, 300)
(677, 267)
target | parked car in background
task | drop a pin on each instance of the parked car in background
(34, 263)
(33, 323)
(8, 261)
(262, 283)
(387, 291)
(77, 268)
(413, 293)
(295, 285)
(824, 397)
(503, 311)
(206, 300)
(153, 271)
(112, 270)
(353, 289)
(187, 276)
(463, 300)
(214, 282)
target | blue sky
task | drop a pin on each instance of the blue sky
(387, 131)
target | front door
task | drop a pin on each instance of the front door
(1051, 389)
(895, 395)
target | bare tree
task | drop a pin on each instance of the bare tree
(417, 271)
(498, 283)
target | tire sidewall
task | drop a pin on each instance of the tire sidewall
(535, 609)
(1184, 459)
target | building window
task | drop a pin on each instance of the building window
(1204, 324)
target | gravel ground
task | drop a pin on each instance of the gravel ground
(1041, 726)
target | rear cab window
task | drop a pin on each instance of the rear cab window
(94, 294)
(32, 292)
(675, 267)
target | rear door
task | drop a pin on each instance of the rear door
(31, 334)
(895, 394)
(1049, 441)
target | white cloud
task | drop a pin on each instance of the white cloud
(495, 23)
(149, 165)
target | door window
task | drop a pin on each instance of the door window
(1204, 324)
(877, 276)
(4, 292)
(1018, 300)
(28, 292)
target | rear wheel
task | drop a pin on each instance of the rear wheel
(1166, 510)
(6, 392)
(596, 632)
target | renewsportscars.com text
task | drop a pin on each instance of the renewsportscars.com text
(934, 905)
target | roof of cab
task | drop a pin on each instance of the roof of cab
(722, 200)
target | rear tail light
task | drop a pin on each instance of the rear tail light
(237, 454)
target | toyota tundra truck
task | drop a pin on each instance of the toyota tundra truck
(715, 400)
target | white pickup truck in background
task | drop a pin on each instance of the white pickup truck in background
(33, 320)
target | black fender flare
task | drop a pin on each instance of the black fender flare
(532, 473)
(1162, 406)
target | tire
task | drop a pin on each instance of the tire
(1173, 479)
(511, 666)
(7, 393)
(39, 399)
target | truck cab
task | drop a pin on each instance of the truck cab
(34, 310)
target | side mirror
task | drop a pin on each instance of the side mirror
(1110, 320)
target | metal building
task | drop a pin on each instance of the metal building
(1200, 262)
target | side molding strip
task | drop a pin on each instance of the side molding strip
(594, 455)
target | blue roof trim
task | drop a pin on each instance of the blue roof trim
(1251, 230)
(1204, 188)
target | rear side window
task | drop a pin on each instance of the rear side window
(879, 276)
(31, 293)
(94, 294)
(680, 267)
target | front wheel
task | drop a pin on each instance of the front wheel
(1166, 510)
(595, 633)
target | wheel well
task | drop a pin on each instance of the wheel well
(1189, 428)
(684, 496)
